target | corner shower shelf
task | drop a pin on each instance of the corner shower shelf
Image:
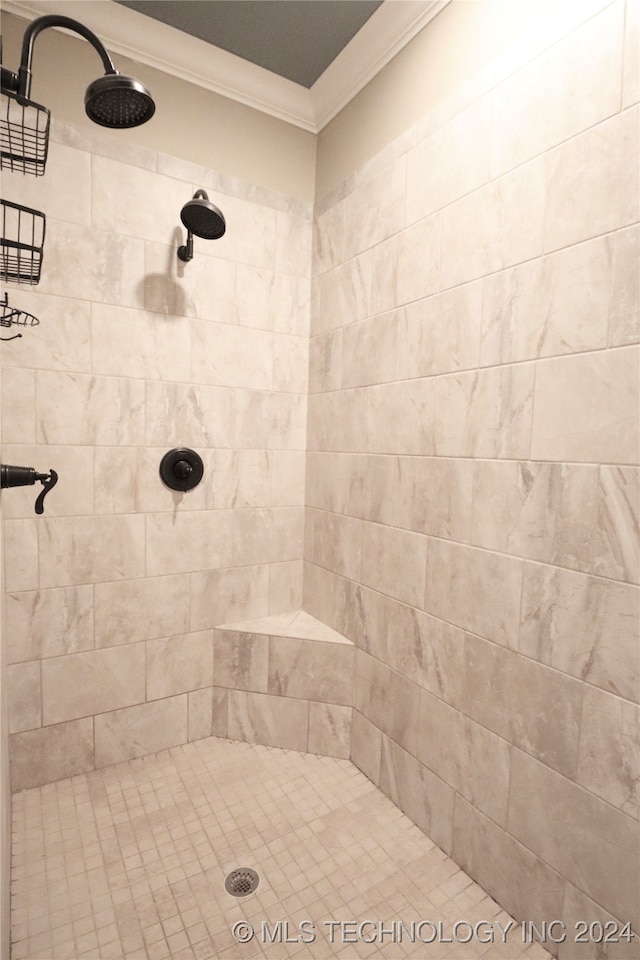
(22, 243)
(24, 135)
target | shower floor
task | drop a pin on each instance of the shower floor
(130, 862)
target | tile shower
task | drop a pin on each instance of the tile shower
(417, 407)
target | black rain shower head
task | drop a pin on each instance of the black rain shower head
(111, 101)
(118, 102)
(202, 218)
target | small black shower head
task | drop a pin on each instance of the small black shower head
(202, 217)
(118, 102)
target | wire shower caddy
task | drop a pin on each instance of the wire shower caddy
(24, 135)
(23, 232)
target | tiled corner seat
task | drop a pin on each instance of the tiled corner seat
(287, 681)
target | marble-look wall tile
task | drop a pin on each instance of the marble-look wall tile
(139, 730)
(556, 304)
(250, 236)
(579, 908)
(328, 238)
(287, 478)
(273, 721)
(374, 210)
(78, 409)
(360, 486)
(20, 561)
(520, 881)
(455, 158)
(98, 266)
(394, 562)
(369, 351)
(241, 660)
(63, 338)
(631, 64)
(70, 170)
(583, 626)
(330, 730)
(231, 356)
(624, 318)
(399, 418)
(482, 232)
(441, 333)
(580, 75)
(388, 700)
(179, 664)
(293, 244)
(586, 408)
(25, 696)
(609, 763)
(48, 623)
(580, 836)
(268, 300)
(419, 260)
(344, 294)
(51, 753)
(423, 797)
(183, 414)
(267, 535)
(205, 288)
(127, 210)
(228, 595)
(467, 756)
(219, 710)
(311, 670)
(433, 495)
(366, 747)
(79, 550)
(337, 543)
(532, 706)
(130, 343)
(199, 714)
(290, 363)
(188, 542)
(18, 411)
(475, 590)
(602, 165)
(285, 586)
(578, 516)
(484, 413)
(82, 684)
(269, 420)
(325, 362)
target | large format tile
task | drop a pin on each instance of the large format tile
(83, 684)
(140, 730)
(51, 753)
(272, 721)
(49, 623)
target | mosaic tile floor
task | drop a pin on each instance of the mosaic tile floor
(129, 862)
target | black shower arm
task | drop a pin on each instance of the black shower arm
(21, 82)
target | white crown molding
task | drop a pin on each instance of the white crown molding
(130, 34)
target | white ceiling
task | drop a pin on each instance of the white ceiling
(127, 32)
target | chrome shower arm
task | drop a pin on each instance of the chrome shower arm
(21, 82)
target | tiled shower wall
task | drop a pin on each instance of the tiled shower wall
(472, 496)
(112, 594)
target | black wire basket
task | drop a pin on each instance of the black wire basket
(11, 316)
(24, 135)
(22, 243)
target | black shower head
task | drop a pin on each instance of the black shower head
(118, 102)
(202, 217)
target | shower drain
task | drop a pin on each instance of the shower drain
(241, 882)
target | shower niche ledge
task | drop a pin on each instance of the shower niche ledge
(285, 680)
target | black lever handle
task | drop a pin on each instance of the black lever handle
(48, 482)
(26, 476)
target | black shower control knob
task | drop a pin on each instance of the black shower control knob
(181, 469)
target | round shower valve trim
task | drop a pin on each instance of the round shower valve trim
(181, 469)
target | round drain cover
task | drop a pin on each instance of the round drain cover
(241, 882)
